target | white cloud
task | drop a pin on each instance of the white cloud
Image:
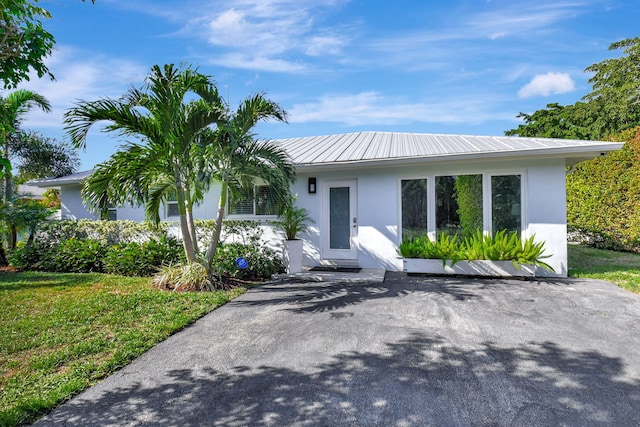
(547, 84)
(266, 35)
(239, 60)
(324, 45)
(372, 108)
(79, 76)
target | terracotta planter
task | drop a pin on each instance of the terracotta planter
(468, 268)
(293, 255)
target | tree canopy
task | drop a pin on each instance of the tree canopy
(187, 139)
(24, 42)
(37, 156)
(612, 106)
(603, 197)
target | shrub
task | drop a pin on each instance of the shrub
(262, 261)
(501, 246)
(79, 256)
(32, 257)
(603, 198)
(142, 259)
(184, 277)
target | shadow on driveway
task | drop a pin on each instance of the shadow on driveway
(412, 351)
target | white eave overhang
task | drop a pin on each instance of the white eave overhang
(571, 155)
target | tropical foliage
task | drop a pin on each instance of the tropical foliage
(13, 108)
(500, 246)
(236, 159)
(613, 105)
(293, 220)
(603, 198)
(602, 194)
(24, 43)
(162, 164)
(183, 147)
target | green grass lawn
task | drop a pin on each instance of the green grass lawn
(620, 268)
(61, 333)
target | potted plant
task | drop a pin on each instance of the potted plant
(293, 221)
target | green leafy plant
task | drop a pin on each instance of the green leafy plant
(79, 256)
(262, 262)
(185, 277)
(142, 259)
(501, 246)
(293, 221)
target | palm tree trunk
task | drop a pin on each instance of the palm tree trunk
(13, 236)
(189, 217)
(217, 231)
(3, 256)
(8, 184)
(187, 242)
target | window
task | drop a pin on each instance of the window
(256, 203)
(506, 205)
(459, 205)
(172, 208)
(112, 213)
(414, 208)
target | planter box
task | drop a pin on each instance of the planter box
(468, 268)
(293, 255)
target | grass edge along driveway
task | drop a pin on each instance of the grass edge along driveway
(619, 268)
(62, 333)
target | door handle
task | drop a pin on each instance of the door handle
(355, 222)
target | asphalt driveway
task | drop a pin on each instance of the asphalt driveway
(412, 351)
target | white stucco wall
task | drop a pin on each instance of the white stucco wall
(71, 205)
(378, 207)
(544, 207)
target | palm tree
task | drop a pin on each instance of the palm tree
(163, 164)
(235, 159)
(12, 110)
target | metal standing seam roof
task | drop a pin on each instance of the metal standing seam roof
(74, 178)
(387, 146)
(379, 147)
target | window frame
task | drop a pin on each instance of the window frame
(167, 208)
(487, 199)
(253, 215)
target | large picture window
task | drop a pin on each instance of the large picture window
(459, 204)
(506, 203)
(255, 203)
(414, 208)
(463, 205)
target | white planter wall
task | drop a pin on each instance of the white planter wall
(468, 268)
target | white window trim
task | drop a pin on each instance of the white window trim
(488, 204)
(171, 202)
(253, 216)
(486, 199)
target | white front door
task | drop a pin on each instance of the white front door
(339, 220)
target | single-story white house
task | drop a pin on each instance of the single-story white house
(366, 190)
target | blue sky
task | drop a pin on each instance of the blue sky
(458, 67)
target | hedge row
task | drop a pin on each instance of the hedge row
(603, 198)
(138, 249)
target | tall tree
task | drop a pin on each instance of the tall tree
(164, 163)
(24, 43)
(235, 159)
(12, 111)
(616, 88)
(612, 106)
(36, 157)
